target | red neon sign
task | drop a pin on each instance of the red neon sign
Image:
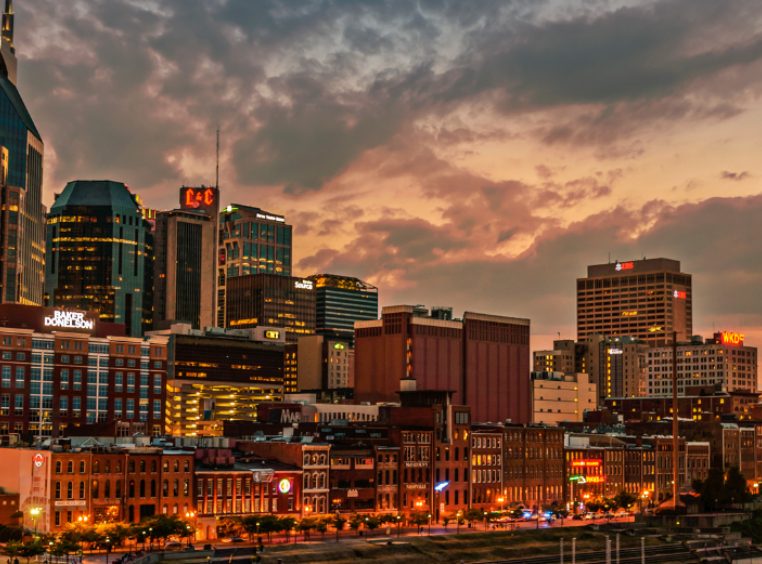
(586, 463)
(624, 266)
(680, 294)
(731, 338)
(204, 197)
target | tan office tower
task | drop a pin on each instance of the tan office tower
(184, 290)
(647, 299)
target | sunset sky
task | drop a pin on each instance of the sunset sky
(465, 153)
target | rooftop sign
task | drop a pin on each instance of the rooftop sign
(199, 198)
(68, 320)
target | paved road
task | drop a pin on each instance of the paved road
(224, 550)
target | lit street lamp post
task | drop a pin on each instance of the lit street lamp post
(35, 513)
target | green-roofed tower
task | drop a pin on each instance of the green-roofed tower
(99, 253)
(22, 215)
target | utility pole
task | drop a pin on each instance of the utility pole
(675, 427)
(608, 549)
(574, 550)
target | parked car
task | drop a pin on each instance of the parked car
(233, 539)
(173, 546)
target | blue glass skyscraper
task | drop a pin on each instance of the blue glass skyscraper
(22, 215)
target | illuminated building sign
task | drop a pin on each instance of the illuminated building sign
(730, 338)
(615, 351)
(620, 266)
(630, 313)
(68, 320)
(595, 479)
(586, 464)
(270, 217)
(202, 198)
(679, 294)
(441, 486)
(339, 346)
(39, 460)
(284, 486)
(272, 334)
(303, 284)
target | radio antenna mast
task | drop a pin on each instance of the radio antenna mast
(217, 167)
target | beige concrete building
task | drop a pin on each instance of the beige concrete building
(722, 361)
(558, 397)
(324, 363)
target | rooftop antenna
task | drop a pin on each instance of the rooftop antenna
(217, 167)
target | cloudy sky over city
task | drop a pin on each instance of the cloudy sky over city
(469, 153)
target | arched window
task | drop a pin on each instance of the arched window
(176, 488)
(153, 488)
(176, 466)
(153, 466)
(186, 466)
(81, 466)
(142, 465)
(131, 490)
(70, 467)
(142, 492)
(81, 490)
(107, 489)
(96, 467)
(107, 467)
(165, 488)
(69, 489)
(95, 489)
(58, 466)
(58, 490)
(118, 489)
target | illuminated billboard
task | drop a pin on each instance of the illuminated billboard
(729, 338)
(203, 198)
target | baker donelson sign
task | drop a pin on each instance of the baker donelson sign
(68, 320)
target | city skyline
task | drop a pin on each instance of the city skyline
(513, 142)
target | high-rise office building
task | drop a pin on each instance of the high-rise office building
(483, 359)
(22, 215)
(252, 241)
(340, 301)
(186, 251)
(274, 301)
(647, 299)
(99, 254)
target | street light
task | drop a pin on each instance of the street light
(458, 517)
(501, 500)
(485, 520)
(399, 524)
(429, 524)
(35, 513)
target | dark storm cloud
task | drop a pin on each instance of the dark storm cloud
(134, 90)
(716, 241)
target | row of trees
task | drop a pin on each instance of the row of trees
(721, 490)
(80, 536)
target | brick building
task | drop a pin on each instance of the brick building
(483, 360)
(62, 369)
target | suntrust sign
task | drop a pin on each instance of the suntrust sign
(68, 320)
